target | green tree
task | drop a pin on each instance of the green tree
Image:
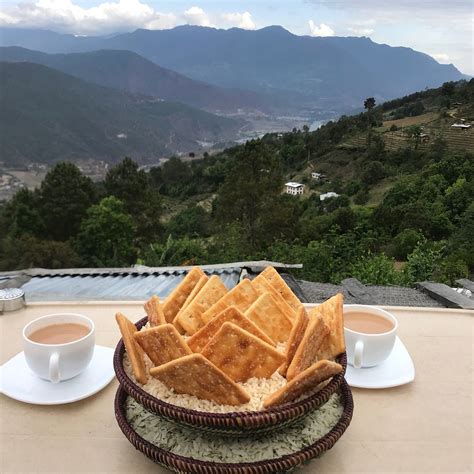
(422, 262)
(405, 242)
(192, 222)
(106, 235)
(415, 133)
(27, 251)
(175, 252)
(65, 196)
(252, 196)
(369, 104)
(373, 172)
(375, 270)
(21, 215)
(143, 203)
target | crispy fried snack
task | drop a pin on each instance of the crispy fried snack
(332, 313)
(241, 296)
(262, 285)
(195, 375)
(134, 351)
(306, 380)
(154, 311)
(242, 355)
(190, 318)
(308, 350)
(231, 315)
(280, 285)
(202, 281)
(268, 316)
(296, 336)
(162, 343)
(178, 296)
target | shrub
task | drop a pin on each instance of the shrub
(405, 242)
(375, 270)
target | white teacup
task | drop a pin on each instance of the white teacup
(369, 349)
(58, 362)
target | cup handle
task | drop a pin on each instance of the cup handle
(358, 350)
(54, 375)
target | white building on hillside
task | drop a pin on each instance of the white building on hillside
(294, 188)
(318, 176)
(330, 194)
(463, 126)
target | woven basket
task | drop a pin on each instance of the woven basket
(230, 424)
(182, 464)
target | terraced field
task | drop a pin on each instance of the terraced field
(457, 140)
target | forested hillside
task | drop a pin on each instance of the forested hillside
(401, 215)
(47, 116)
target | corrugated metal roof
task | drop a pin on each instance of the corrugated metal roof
(135, 286)
(134, 283)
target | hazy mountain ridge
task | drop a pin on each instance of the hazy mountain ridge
(130, 72)
(331, 72)
(48, 116)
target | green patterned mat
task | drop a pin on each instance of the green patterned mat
(214, 448)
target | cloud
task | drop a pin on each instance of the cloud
(241, 20)
(109, 17)
(197, 16)
(320, 30)
(65, 16)
(441, 57)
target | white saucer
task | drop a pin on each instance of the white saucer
(17, 381)
(397, 370)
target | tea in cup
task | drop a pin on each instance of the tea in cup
(370, 334)
(59, 346)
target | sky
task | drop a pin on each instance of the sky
(442, 29)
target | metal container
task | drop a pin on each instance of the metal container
(11, 299)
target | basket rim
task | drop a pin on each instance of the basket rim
(287, 461)
(129, 384)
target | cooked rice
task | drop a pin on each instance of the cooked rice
(258, 389)
(209, 447)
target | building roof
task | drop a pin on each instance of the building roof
(141, 282)
(136, 283)
(330, 194)
(292, 184)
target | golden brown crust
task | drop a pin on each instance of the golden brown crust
(242, 355)
(305, 381)
(178, 296)
(241, 296)
(154, 311)
(190, 318)
(198, 341)
(268, 316)
(134, 351)
(332, 312)
(162, 344)
(307, 352)
(262, 285)
(280, 285)
(202, 281)
(296, 336)
(195, 375)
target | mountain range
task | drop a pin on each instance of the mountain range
(149, 94)
(132, 73)
(311, 73)
(46, 116)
